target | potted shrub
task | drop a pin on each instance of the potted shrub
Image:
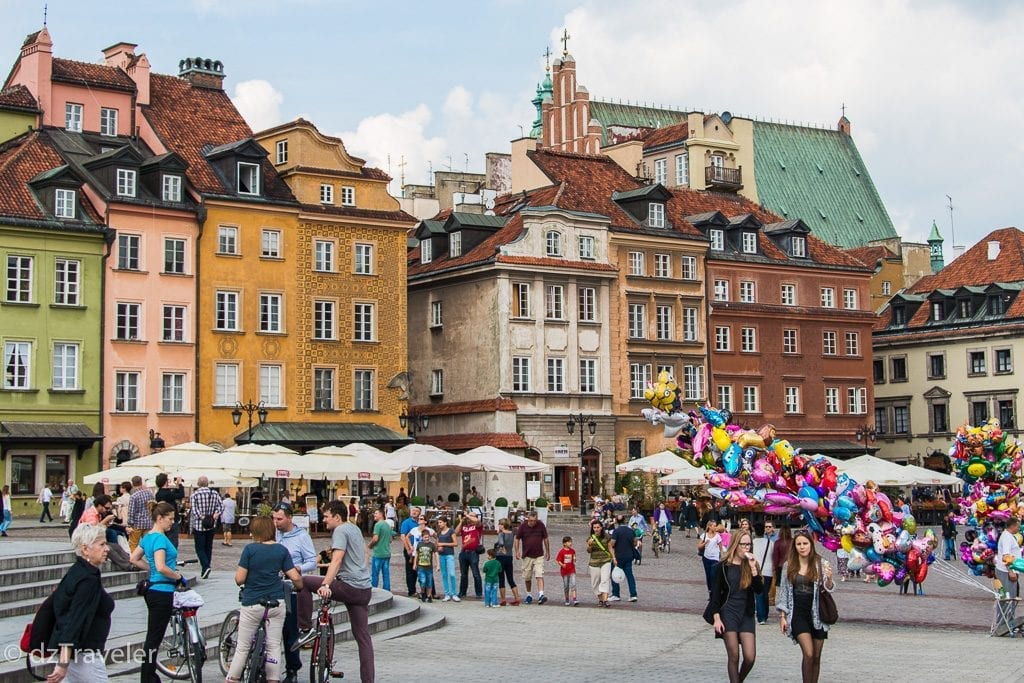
(474, 502)
(418, 501)
(541, 504)
(500, 509)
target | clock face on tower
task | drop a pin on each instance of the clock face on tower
(936, 249)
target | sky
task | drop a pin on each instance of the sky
(933, 88)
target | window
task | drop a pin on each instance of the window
(426, 251)
(227, 240)
(270, 313)
(852, 343)
(721, 290)
(323, 256)
(639, 378)
(689, 324)
(270, 244)
(717, 239)
(553, 243)
(73, 117)
(364, 259)
(174, 256)
(940, 418)
(693, 382)
(828, 343)
(850, 298)
(789, 295)
(362, 390)
(556, 375)
(857, 400)
(326, 193)
(979, 412)
(976, 363)
(899, 315)
(995, 305)
(225, 391)
(792, 400)
(750, 402)
(682, 169)
(800, 247)
(64, 203)
(323, 389)
(831, 400)
(725, 397)
(436, 314)
(128, 252)
(1006, 411)
(689, 268)
(126, 325)
(586, 247)
(172, 392)
(125, 182)
(363, 324)
(886, 287)
(722, 341)
(65, 366)
(661, 171)
(878, 370)
(281, 152)
(126, 392)
(748, 339)
(323, 320)
(455, 244)
(19, 279)
(636, 263)
(828, 297)
(17, 357)
(899, 369)
(108, 121)
(964, 308)
(436, 382)
(637, 322)
(1004, 361)
(662, 265)
(348, 195)
(270, 385)
(554, 302)
(588, 375)
(520, 300)
(670, 369)
(656, 215)
(663, 323)
(66, 281)
(881, 420)
(747, 291)
(173, 323)
(634, 449)
(520, 373)
(749, 242)
(248, 178)
(588, 304)
(226, 311)
(789, 343)
(936, 366)
(900, 420)
(938, 310)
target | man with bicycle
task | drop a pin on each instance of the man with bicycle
(304, 557)
(347, 581)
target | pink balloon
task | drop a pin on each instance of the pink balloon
(831, 543)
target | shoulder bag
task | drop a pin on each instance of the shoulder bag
(827, 610)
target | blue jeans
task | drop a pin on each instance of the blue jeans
(290, 633)
(950, 548)
(490, 594)
(448, 574)
(761, 600)
(7, 521)
(710, 570)
(626, 565)
(425, 575)
(382, 567)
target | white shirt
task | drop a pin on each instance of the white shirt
(763, 554)
(1008, 545)
(713, 548)
(389, 511)
(47, 495)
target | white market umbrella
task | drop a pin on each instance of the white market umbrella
(685, 476)
(257, 460)
(216, 476)
(359, 448)
(491, 459)
(927, 477)
(190, 454)
(116, 475)
(665, 462)
(882, 472)
(421, 456)
(333, 462)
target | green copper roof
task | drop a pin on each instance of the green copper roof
(632, 115)
(934, 235)
(817, 175)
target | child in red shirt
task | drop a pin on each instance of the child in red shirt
(566, 559)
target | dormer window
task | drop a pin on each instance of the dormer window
(799, 247)
(281, 152)
(126, 182)
(749, 242)
(938, 310)
(553, 243)
(64, 203)
(455, 244)
(717, 238)
(964, 306)
(899, 315)
(172, 188)
(995, 305)
(426, 252)
(656, 215)
(248, 178)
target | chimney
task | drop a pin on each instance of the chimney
(120, 55)
(993, 250)
(34, 70)
(844, 125)
(202, 73)
(139, 72)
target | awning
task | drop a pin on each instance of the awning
(14, 434)
(308, 435)
(840, 450)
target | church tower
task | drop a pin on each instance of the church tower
(935, 248)
(565, 109)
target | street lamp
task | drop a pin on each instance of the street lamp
(413, 422)
(249, 408)
(591, 424)
(867, 434)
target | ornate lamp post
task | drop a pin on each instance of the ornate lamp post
(249, 409)
(867, 434)
(590, 423)
(413, 422)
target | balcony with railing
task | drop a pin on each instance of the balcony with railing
(721, 178)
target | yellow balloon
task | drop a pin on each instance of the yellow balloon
(847, 542)
(721, 438)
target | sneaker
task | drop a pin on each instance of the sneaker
(762, 623)
(575, 602)
(430, 599)
(632, 599)
(566, 603)
(447, 598)
(614, 598)
(528, 600)
(456, 598)
(542, 600)
(304, 639)
(206, 573)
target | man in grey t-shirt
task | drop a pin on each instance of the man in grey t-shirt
(347, 581)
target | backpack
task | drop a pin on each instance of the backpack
(39, 631)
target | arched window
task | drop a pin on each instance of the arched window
(553, 243)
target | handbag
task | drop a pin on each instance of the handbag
(479, 550)
(827, 610)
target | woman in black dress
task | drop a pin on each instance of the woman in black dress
(737, 580)
(801, 580)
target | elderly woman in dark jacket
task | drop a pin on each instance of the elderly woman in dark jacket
(731, 608)
(82, 610)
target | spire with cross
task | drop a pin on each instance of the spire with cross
(547, 59)
(565, 43)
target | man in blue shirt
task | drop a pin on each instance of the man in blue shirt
(622, 544)
(408, 524)
(304, 557)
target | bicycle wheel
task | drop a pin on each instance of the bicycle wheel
(228, 641)
(256, 663)
(321, 662)
(195, 663)
(668, 545)
(172, 656)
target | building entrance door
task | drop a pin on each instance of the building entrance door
(567, 483)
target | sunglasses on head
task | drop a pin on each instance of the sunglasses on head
(282, 507)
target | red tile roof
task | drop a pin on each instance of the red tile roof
(459, 442)
(871, 255)
(481, 253)
(488, 405)
(92, 75)
(367, 172)
(22, 159)
(188, 118)
(353, 212)
(974, 268)
(556, 263)
(663, 136)
(17, 97)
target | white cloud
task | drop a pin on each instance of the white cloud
(259, 103)
(459, 102)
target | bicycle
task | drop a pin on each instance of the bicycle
(255, 670)
(321, 663)
(666, 543)
(182, 652)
